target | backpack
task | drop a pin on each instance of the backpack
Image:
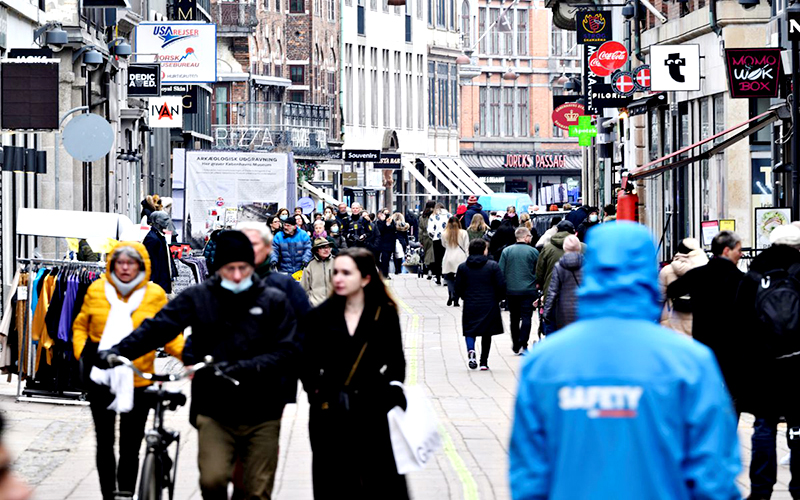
(777, 308)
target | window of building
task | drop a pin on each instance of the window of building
(221, 105)
(557, 131)
(348, 78)
(385, 5)
(361, 22)
(705, 132)
(387, 108)
(443, 97)
(431, 94)
(373, 5)
(522, 112)
(522, 32)
(719, 117)
(408, 23)
(278, 5)
(452, 17)
(297, 74)
(420, 93)
(419, 9)
(297, 6)
(507, 37)
(362, 86)
(482, 29)
(430, 12)
(655, 126)
(482, 112)
(562, 42)
(494, 35)
(763, 136)
(441, 6)
(296, 96)
(494, 112)
(508, 112)
(348, 3)
(398, 93)
(667, 137)
(373, 59)
(332, 10)
(454, 95)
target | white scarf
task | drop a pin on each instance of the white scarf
(118, 326)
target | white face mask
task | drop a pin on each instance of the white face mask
(237, 287)
(592, 218)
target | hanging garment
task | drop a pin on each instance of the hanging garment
(39, 328)
(65, 320)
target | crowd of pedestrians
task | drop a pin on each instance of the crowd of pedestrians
(307, 298)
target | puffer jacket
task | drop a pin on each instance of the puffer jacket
(317, 280)
(91, 320)
(291, 253)
(550, 255)
(631, 392)
(672, 317)
(561, 305)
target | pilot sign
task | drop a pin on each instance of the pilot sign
(675, 68)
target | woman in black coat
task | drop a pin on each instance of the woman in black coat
(385, 224)
(503, 237)
(354, 360)
(480, 283)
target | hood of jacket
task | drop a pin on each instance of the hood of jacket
(620, 274)
(475, 207)
(571, 261)
(558, 239)
(683, 262)
(477, 261)
(141, 250)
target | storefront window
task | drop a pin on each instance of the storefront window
(705, 132)
(522, 107)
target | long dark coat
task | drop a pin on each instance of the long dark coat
(480, 282)
(427, 242)
(352, 451)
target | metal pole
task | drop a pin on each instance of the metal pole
(795, 129)
(55, 159)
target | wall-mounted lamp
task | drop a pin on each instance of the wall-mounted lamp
(52, 35)
(119, 47)
(92, 58)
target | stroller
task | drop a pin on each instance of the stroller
(415, 256)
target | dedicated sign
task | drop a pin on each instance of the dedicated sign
(567, 115)
(675, 68)
(362, 155)
(753, 73)
(144, 80)
(597, 68)
(388, 161)
(593, 26)
(187, 51)
(165, 112)
(623, 83)
(642, 78)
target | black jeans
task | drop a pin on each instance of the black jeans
(131, 433)
(764, 462)
(486, 346)
(438, 255)
(450, 280)
(385, 258)
(520, 308)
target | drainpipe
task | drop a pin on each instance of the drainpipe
(637, 30)
(712, 17)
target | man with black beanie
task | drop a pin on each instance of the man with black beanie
(249, 330)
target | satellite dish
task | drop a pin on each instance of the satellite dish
(88, 137)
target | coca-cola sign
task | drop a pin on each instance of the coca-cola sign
(596, 67)
(753, 73)
(567, 114)
(612, 55)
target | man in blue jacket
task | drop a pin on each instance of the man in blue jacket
(474, 208)
(292, 248)
(616, 407)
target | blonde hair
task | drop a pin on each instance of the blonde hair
(451, 232)
(400, 221)
(478, 223)
(525, 220)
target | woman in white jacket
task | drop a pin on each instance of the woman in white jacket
(677, 313)
(436, 226)
(456, 248)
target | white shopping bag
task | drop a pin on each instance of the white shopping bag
(414, 432)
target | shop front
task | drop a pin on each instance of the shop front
(552, 177)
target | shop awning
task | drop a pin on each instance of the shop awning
(272, 81)
(753, 125)
(472, 186)
(463, 166)
(319, 193)
(645, 104)
(455, 177)
(409, 166)
(434, 169)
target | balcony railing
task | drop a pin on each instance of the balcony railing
(234, 16)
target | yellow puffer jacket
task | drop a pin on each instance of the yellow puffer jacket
(91, 321)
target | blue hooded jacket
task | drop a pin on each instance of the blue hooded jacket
(616, 407)
(291, 253)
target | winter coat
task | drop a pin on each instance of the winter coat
(426, 241)
(344, 222)
(402, 236)
(388, 235)
(364, 234)
(550, 255)
(518, 263)
(160, 260)
(585, 226)
(352, 452)
(672, 317)
(503, 237)
(254, 329)
(436, 225)
(561, 304)
(577, 216)
(455, 256)
(545, 239)
(317, 280)
(472, 210)
(475, 235)
(615, 388)
(513, 219)
(91, 320)
(339, 242)
(295, 294)
(766, 388)
(480, 283)
(291, 253)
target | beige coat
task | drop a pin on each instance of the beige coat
(317, 280)
(680, 265)
(455, 256)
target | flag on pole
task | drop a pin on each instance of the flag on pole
(504, 23)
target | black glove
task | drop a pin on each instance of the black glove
(233, 368)
(107, 359)
(397, 397)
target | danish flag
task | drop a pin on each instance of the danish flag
(624, 84)
(643, 77)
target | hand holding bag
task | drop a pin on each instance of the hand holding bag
(414, 432)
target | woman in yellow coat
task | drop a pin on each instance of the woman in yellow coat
(114, 306)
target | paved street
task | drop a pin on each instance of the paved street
(54, 445)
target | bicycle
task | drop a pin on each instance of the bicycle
(159, 470)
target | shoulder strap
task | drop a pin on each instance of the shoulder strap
(355, 365)
(574, 277)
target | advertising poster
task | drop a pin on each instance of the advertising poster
(709, 228)
(675, 68)
(767, 219)
(187, 51)
(753, 73)
(593, 26)
(221, 184)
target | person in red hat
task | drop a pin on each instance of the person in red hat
(460, 211)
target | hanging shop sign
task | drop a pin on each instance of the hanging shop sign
(188, 95)
(584, 131)
(793, 20)
(590, 79)
(597, 68)
(186, 10)
(558, 100)
(388, 161)
(675, 68)
(753, 73)
(604, 97)
(593, 26)
(165, 112)
(144, 80)
(187, 51)
(623, 83)
(362, 155)
(567, 115)
(641, 78)
(535, 161)
(612, 55)
(29, 94)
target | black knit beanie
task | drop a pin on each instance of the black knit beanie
(233, 246)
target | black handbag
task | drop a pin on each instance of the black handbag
(85, 364)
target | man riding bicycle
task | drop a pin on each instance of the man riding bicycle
(249, 330)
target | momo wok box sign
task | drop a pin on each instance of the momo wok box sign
(187, 51)
(753, 73)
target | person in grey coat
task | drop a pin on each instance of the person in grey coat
(561, 306)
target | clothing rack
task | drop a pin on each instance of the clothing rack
(38, 395)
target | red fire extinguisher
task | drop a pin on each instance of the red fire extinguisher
(627, 202)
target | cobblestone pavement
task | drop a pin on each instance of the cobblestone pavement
(54, 444)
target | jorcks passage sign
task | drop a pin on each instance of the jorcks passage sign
(187, 51)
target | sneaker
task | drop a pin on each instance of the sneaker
(515, 347)
(787, 460)
(449, 301)
(484, 367)
(473, 363)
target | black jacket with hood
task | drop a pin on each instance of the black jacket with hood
(472, 210)
(480, 282)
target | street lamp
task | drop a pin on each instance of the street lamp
(120, 48)
(92, 58)
(510, 75)
(54, 37)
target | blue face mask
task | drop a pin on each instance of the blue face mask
(284, 217)
(237, 287)
(592, 218)
(334, 229)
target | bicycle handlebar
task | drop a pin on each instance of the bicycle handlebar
(208, 362)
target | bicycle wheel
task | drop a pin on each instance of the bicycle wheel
(149, 483)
